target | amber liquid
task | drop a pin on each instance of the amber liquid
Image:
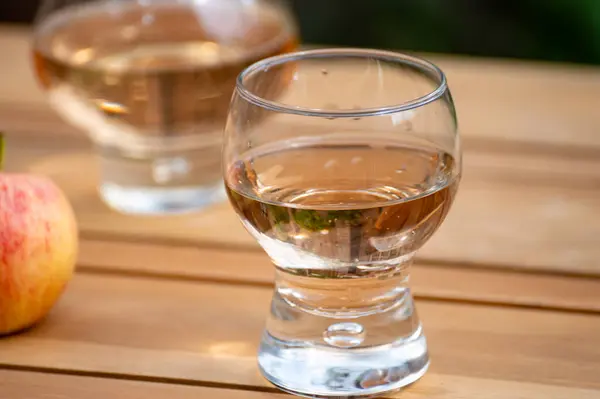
(163, 68)
(346, 204)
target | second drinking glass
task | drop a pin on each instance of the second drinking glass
(150, 82)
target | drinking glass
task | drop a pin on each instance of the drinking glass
(342, 163)
(150, 82)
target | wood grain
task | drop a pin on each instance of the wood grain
(525, 101)
(209, 332)
(35, 385)
(428, 280)
(28, 385)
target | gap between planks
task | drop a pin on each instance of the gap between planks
(41, 124)
(430, 280)
(111, 238)
(50, 385)
(140, 378)
(170, 329)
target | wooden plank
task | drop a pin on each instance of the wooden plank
(28, 385)
(501, 216)
(428, 280)
(36, 385)
(507, 165)
(17, 81)
(35, 122)
(524, 101)
(209, 332)
(510, 211)
(497, 100)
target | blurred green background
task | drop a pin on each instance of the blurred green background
(554, 30)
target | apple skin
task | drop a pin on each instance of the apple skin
(38, 249)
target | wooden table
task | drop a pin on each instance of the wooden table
(173, 307)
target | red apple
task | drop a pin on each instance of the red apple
(38, 248)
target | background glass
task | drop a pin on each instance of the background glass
(342, 163)
(150, 82)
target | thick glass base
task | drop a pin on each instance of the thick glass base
(142, 200)
(160, 182)
(318, 356)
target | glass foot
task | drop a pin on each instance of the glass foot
(160, 180)
(158, 201)
(318, 356)
(350, 373)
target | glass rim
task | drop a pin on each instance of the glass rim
(390, 56)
